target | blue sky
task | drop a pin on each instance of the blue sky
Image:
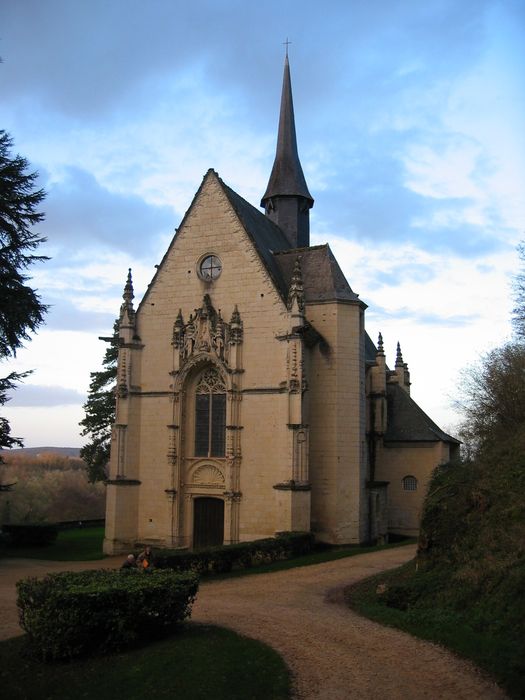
(410, 128)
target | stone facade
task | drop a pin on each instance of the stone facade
(250, 399)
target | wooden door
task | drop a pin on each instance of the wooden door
(208, 522)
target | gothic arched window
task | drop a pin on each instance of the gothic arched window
(210, 415)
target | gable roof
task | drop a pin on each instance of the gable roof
(264, 234)
(407, 422)
(323, 279)
(370, 350)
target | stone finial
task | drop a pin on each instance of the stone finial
(296, 291)
(380, 347)
(402, 371)
(236, 317)
(190, 336)
(126, 308)
(128, 295)
(178, 331)
(219, 325)
(218, 336)
(236, 330)
(399, 357)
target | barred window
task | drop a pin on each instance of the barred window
(210, 415)
(409, 483)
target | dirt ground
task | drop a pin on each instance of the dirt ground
(333, 653)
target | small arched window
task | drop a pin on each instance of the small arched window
(210, 415)
(409, 483)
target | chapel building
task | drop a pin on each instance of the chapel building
(250, 399)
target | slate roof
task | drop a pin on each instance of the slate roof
(407, 422)
(265, 235)
(370, 350)
(323, 279)
(287, 177)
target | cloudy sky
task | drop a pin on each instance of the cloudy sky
(410, 123)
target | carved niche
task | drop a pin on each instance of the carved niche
(208, 475)
(206, 331)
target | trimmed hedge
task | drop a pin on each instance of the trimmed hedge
(71, 614)
(31, 534)
(244, 555)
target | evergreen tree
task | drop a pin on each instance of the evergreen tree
(100, 413)
(21, 311)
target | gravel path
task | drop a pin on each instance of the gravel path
(333, 653)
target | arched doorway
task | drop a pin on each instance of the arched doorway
(208, 522)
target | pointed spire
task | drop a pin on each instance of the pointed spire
(178, 331)
(127, 312)
(380, 347)
(128, 295)
(236, 331)
(220, 323)
(287, 200)
(236, 317)
(399, 357)
(296, 291)
(401, 371)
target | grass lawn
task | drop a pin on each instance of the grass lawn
(83, 544)
(496, 653)
(198, 662)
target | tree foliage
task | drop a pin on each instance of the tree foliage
(493, 390)
(100, 413)
(493, 397)
(49, 488)
(7, 384)
(21, 310)
(518, 313)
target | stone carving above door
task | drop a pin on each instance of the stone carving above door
(207, 332)
(208, 475)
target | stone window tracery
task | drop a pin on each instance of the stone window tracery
(210, 415)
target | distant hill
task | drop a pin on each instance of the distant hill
(48, 484)
(37, 451)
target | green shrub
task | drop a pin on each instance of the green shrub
(31, 534)
(71, 614)
(239, 556)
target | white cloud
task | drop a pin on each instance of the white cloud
(444, 322)
(443, 172)
(55, 426)
(59, 358)
(410, 132)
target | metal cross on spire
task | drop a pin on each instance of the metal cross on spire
(286, 43)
